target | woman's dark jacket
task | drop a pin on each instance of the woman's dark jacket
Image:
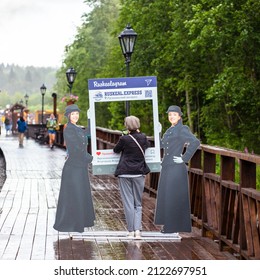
(173, 201)
(75, 209)
(76, 143)
(132, 161)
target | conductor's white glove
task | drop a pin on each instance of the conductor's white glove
(177, 159)
(159, 127)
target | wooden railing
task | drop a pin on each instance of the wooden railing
(229, 204)
(40, 134)
(225, 204)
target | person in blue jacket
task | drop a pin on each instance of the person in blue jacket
(173, 201)
(21, 127)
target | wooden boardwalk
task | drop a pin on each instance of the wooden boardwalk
(28, 204)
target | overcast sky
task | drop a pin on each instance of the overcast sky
(35, 32)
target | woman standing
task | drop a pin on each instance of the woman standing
(51, 126)
(75, 209)
(173, 202)
(131, 171)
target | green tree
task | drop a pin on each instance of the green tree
(227, 35)
(205, 54)
(88, 54)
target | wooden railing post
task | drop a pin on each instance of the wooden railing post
(247, 180)
(229, 202)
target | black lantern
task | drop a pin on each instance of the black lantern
(43, 91)
(71, 76)
(127, 39)
(26, 97)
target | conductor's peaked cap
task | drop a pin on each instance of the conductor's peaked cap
(71, 108)
(174, 108)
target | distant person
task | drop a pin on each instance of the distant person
(8, 125)
(21, 127)
(52, 126)
(75, 209)
(131, 171)
(2, 120)
(173, 202)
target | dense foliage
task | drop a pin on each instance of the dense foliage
(205, 54)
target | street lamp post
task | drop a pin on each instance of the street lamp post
(26, 97)
(71, 76)
(54, 96)
(127, 39)
(43, 91)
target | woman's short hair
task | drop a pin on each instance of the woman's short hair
(132, 123)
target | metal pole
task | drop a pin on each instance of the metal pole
(127, 103)
(54, 95)
(42, 108)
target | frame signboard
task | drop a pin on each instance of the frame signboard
(122, 89)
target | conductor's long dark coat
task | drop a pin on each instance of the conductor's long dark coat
(173, 203)
(75, 207)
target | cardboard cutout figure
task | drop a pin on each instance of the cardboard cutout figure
(173, 202)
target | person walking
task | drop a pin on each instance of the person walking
(131, 171)
(173, 203)
(51, 126)
(75, 209)
(21, 127)
(8, 125)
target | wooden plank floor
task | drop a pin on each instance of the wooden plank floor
(28, 205)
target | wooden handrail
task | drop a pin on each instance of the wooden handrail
(231, 153)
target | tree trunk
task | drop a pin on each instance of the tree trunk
(189, 111)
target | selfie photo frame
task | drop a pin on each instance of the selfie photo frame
(122, 89)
